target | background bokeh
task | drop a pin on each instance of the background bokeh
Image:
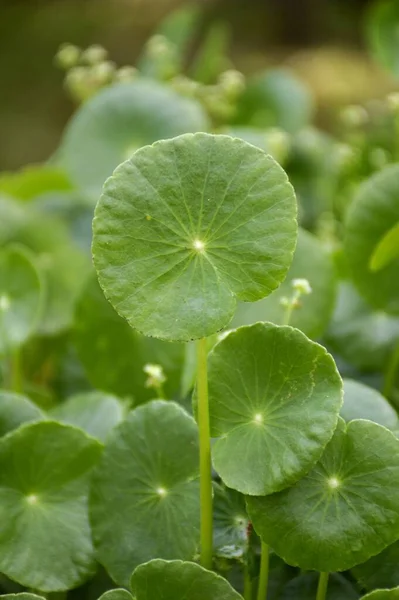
(321, 40)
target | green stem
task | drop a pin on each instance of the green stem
(16, 371)
(205, 456)
(160, 392)
(264, 573)
(290, 308)
(322, 587)
(391, 373)
(247, 584)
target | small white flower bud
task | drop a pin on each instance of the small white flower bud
(354, 116)
(94, 54)
(103, 73)
(67, 56)
(156, 376)
(232, 82)
(126, 74)
(302, 286)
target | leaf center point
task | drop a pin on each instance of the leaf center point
(258, 418)
(334, 483)
(32, 499)
(162, 492)
(199, 245)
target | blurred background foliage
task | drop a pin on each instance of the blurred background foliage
(323, 41)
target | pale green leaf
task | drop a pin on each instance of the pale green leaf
(186, 227)
(370, 217)
(94, 412)
(117, 121)
(383, 595)
(118, 594)
(16, 410)
(344, 511)
(177, 580)
(22, 596)
(21, 297)
(364, 402)
(145, 493)
(45, 539)
(274, 398)
(386, 250)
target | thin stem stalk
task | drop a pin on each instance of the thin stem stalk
(322, 587)
(264, 573)
(205, 456)
(247, 584)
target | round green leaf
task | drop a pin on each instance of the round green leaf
(188, 225)
(20, 297)
(374, 210)
(94, 412)
(117, 121)
(230, 523)
(145, 493)
(15, 410)
(383, 595)
(344, 511)
(379, 571)
(113, 354)
(364, 402)
(177, 580)
(312, 262)
(274, 401)
(45, 540)
(382, 32)
(273, 141)
(276, 98)
(362, 336)
(119, 594)
(304, 587)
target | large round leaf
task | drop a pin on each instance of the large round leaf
(312, 262)
(119, 120)
(94, 412)
(274, 401)
(362, 336)
(117, 594)
(188, 225)
(20, 297)
(380, 571)
(383, 595)
(113, 354)
(304, 587)
(177, 580)
(22, 596)
(45, 541)
(345, 510)
(15, 410)
(145, 493)
(364, 402)
(374, 211)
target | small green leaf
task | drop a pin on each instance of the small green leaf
(379, 571)
(21, 297)
(304, 587)
(188, 225)
(118, 594)
(344, 511)
(230, 523)
(386, 250)
(177, 580)
(145, 493)
(33, 181)
(274, 400)
(364, 402)
(383, 595)
(382, 33)
(117, 121)
(45, 539)
(113, 354)
(94, 412)
(16, 410)
(370, 217)
(361, 335)
(312, 262)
